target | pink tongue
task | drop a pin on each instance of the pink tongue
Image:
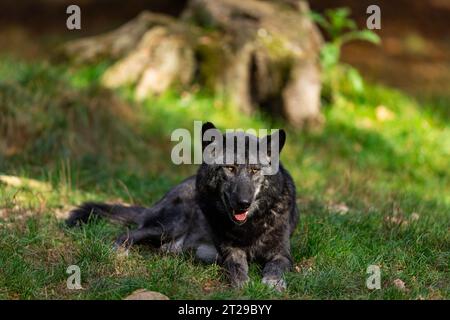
(241, 216)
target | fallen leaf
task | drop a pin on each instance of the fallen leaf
(210, 285)
(306, 265)
(400, 285)
(395, 220)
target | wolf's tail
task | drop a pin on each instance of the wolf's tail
(120, 213)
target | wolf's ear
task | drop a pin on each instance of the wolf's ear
(206, 126)
(278, 137)
(282, 137)
(211, 134)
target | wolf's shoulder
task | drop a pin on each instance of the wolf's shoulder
(288, 181)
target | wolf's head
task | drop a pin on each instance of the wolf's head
(237, 166)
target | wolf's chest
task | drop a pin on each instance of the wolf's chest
(256, 236)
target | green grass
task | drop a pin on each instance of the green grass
(372, 189)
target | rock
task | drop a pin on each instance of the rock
(142, 294)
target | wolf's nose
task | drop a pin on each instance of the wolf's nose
(244, 204)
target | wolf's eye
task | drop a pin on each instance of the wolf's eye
(254, 170)
(230, 168)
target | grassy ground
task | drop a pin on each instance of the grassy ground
(373, 188)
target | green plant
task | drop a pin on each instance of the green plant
(340, 29)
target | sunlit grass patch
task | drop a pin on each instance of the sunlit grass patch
(373, 187)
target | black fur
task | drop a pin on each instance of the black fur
(202, 214)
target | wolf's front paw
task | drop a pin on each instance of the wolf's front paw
(275, 283)
(239, 282)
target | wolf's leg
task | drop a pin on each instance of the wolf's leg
(128, 239)
(274, 269)
(207, 253)
(236, 266)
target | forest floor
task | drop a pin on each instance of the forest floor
(373, 187)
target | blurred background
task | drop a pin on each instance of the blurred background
(414, 54)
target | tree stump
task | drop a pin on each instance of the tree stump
(257, 53)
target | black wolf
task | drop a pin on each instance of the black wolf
(226, 213)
